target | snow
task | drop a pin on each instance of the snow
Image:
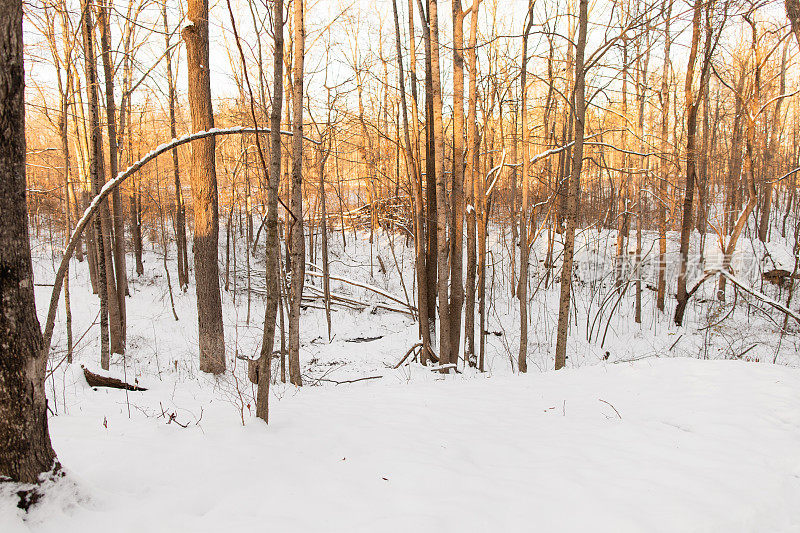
(650, 428)
(697, 446)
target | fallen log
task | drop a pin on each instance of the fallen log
(364, 339)
(96, 380)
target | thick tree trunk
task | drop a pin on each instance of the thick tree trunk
(204, 193)
(25, 449)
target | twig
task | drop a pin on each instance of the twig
(349, 380)
(614, 408)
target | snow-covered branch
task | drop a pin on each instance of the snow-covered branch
(108, 188)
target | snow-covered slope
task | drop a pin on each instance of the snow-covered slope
(657, 445)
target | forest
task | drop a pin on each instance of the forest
(339, 265)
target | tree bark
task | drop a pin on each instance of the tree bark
(665, 166)
(298, 251)
(118, 222)
(443, 249)
(522, 290)
(457, 189)
(180, 208)
(110, 322)
(473, 174)
(579, 103)
(25, 449)
(692, 104)
(204, 193)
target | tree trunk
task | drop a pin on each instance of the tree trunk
(441, 190)
(770, 153)
(118, 242)
(579, 103)
(522, 290)
(431, 233)
(691, 156)
(272, 247)
(473, 149)
(25, 449)
(411, 164)
(296, 200)
(180, 209)
(204, 193)
(665, 166)
(457, 188)
(110, 322)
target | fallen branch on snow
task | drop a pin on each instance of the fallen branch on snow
(96, 380)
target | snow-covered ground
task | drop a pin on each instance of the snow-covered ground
(657, 445)
(650, 428)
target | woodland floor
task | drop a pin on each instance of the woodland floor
(650, 428)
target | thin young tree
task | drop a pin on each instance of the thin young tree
(180, 208)
(298, 252)
(474, 191)
(692, 104)
(661, 289)
(118, 225)
(574, 187)
(456, 302)
(443, 270)
(110, 322)
(522, 290)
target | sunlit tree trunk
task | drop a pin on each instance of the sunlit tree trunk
(204, 192)
(180, 208)
(296, 198)
(473, 175)
(522, 290)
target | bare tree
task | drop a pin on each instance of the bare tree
(25, 449)
(665, 164)
(456, 302)
(692, 105)
(298, 252)
(441, 188)
(474, 190)
(110, 321)
(118, 225)
(522, 290)
(574, 187)
(180, 208)
(204, 193)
